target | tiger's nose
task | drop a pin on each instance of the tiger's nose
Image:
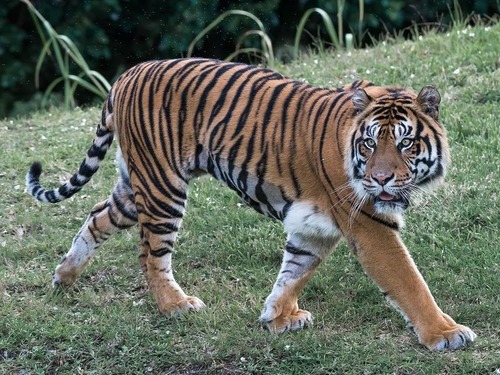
(382, 177)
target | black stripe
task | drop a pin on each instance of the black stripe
(120, 205)
(163, 228)
(160, 252)
(296, 251)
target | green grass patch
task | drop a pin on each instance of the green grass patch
(229, 255)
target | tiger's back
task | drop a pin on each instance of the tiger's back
(251, 128)
(329, 163)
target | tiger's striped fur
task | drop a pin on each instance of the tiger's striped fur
(328, 163)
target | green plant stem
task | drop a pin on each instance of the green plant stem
(267, 49)
(327, 21)
(65, 54)
(360, 21)
(340, 21)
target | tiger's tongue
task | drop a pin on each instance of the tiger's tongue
(386, 196)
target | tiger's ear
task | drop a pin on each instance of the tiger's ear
(360, 99)
(428, 99)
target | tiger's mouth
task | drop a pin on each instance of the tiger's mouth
(385, 201)
(387, 197)
(389, 200)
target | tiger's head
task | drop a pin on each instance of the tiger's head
(396, 146)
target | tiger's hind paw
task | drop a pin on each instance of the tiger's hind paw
(283, 323)
(68, 271)
(60, 281)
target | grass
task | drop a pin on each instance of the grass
(229, 256)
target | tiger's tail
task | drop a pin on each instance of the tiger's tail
(89, 166)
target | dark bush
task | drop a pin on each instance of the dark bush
(115, 34)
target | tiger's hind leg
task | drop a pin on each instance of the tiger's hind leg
(106, 218)
(160, 218)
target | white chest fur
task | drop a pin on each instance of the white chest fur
(306, 219)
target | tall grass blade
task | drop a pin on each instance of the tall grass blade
(327, 21)
(457, 16)
(41, 58)
(267, 52)
(340, 21)
(267, 49)
(361, 21)
(248, 50)
(65, 54)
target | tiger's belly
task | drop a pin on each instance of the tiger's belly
(301, 217)
(264, 197)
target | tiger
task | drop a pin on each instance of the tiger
(329, 163)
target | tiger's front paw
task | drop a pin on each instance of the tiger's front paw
(286, 322)
(451, 336)
(455, 338)
(293, 322)
(187, 304)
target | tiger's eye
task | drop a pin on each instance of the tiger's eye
(406, 142)
(370, 143)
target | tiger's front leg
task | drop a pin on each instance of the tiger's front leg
(386, 260)
(303, 254)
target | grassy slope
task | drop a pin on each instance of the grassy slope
(229, 256)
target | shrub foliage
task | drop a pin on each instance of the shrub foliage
(114, 34)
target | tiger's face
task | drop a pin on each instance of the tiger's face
(396, 148)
